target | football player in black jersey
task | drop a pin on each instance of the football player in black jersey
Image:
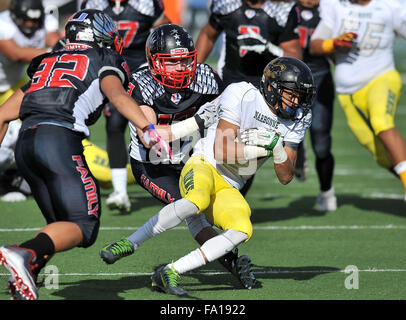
(307, 12)
(255, 32)
(134, 20)
(67, 92)
(173, 87)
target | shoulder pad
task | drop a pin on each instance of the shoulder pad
(145, 7)
(97, 4)
(149, 87)
(224, 7)
(278, 11)
(205, 80)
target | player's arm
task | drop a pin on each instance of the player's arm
(292, 48)
(52, 39)
(284, 169)
(162, 20)
(14, 52)
(9, 111)
(205, 42)
(113, 89)
(323, 42)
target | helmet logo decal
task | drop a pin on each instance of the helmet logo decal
(33, 14)
(274, 73)
(81, 18)
(85, 35)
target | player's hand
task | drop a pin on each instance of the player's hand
(345, 40)
(253, 41)
(261, 137)
(206, 115)
(156, 142)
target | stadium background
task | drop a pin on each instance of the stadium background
(298, 253)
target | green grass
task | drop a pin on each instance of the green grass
(299, 253)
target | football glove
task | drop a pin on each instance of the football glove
(206, 115)
(156, 142)
(252, 41)
(344, 41)
(261, 137)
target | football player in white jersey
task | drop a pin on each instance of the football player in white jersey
(273, 121)
(25, 31)
(360, 34)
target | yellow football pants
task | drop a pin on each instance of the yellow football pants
(223, 205)
(371, 110)
(7, 94)
(98, 162)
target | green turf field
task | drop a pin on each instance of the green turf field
(298, 252)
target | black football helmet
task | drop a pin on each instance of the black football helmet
(171, 44)
(93, 28)
(291, 75)
(28, 15)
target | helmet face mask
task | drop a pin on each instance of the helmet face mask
(28, 15)
(93, 28)
(287, 86)
(171, 56)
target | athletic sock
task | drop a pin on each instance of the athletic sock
(400, 170)
(119, 179)
(43, 247)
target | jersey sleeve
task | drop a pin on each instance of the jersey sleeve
(114, 64)
(289, 32)
(134, 91)
(51, 23)
(219, 9)
(229, 108)
(399, 18)
(7, 31)
(297, 133)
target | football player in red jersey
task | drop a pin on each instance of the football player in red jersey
(134, 21)
(67, 92)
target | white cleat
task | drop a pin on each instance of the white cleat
(326, 201)
(14, 196)
(119, 201)
(18, 261)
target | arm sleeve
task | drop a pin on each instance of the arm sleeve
(289, 32)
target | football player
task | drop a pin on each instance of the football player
(254, 32)
(308, 17)
(67, 92)
(173, 87)
(273, 121)
(360, 36)
(25, 31)
(134, 20)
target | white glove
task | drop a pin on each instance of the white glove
(206, 115)
(261, 137)
(253, 41)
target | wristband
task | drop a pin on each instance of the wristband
(328, 46)
(279, 153)
(148, 127)
(254, 152)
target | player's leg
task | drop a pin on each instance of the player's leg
(320, 135)
(116, 125)
(384, 94)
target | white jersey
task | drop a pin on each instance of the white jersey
(243, 105)
(376, 25)
(12, 72)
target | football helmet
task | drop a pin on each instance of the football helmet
(287, 86)
(171, 56)
(94, 28)
(28, 15)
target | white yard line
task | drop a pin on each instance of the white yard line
(303, 227)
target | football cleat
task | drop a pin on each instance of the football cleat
(120, 201)
(19, 262)
(326, 201)
(241, 268)
(166, 279)
(112, 252)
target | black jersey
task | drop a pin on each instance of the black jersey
(171, 107)
(65, 87)
(134, 22)
(307, 21)
(272, 21)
